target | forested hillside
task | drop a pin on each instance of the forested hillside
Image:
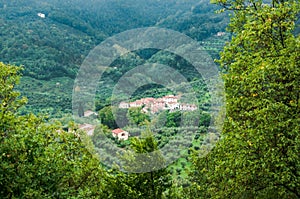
(56, 45)
(51, 49)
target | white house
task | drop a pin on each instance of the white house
(220, 34)
(120, 134)
(173, 105)
(124, 105)
(42, 15)
(170, 98)
(188, 107)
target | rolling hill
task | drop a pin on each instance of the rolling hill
(51, 49)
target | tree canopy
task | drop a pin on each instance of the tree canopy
(258, 156)
(38, 159)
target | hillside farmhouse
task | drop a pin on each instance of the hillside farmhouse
(120, 134)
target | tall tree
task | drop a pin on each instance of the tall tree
(258, 156)
(136, 116)
(147, 175)
(107, 118)
(80, 110)
(39, 160)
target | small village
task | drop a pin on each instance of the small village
(149, 105)
(154, 105)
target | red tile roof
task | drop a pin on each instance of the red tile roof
(117, 131)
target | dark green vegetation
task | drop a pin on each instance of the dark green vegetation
(181, 129)
(257, 157)
(40, 160)
(53, 48)
(37, 159)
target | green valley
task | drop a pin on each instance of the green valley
(215, 117)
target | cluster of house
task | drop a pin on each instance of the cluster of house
(154, 105)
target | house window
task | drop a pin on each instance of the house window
(123, 134)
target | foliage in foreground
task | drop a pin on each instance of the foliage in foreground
(39, 160)
(258, 156)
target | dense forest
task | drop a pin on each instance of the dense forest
(250, 150)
